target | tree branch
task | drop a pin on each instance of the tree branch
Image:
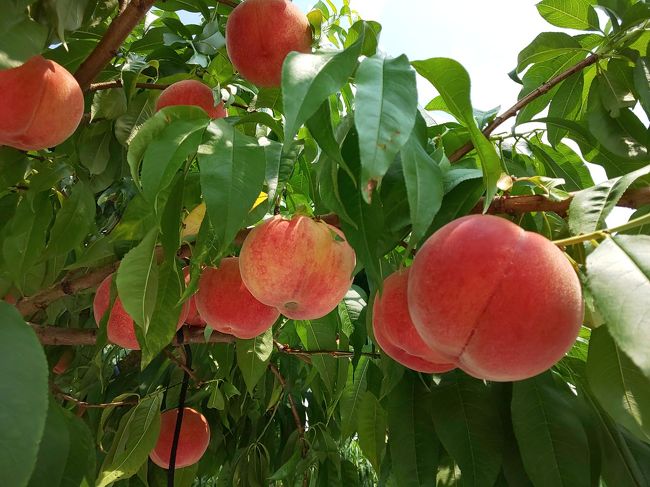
(513, 110)
(107, 85)
(108, 46)
(294, 410)
(513, 205)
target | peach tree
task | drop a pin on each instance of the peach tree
(201, 203)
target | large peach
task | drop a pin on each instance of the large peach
(227, 306)
(260, 34)
(395, 332)
(193, 315)
(301, 266)
(41, 105)
(502, 303)
(193, 440)
(120, 328)
(191, 92)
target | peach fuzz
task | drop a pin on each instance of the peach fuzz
(301, 266)
(395, 333)
(260, 34)
(193, 316)
(193, 440)
(120, 327)
(227, 306)
(191, 92)
(41, 105)
(502, 303)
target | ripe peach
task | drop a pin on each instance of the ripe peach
(260, 34)
(502, 303)
(395, 332)
(191, 92)
(120, 327)
(193, 316)
(301, 266)
(192, 442)
(227, 306)
(41, 105)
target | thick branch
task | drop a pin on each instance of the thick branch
(513, 110)
(54, 335)
(108, 46)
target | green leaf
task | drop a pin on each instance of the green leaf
(424, 186)
(320, 334)
(453, 83)
(616, 87)
(351, 397)
(139, 110)
(551, 438)
(619, 385)
(414, 448)
(642, 82)
(386, 106)
(233, 168)
(153, 132)
(53, 449)
(624, 135)
(372, 429)
(571, 14)
(94, 146)
(562, 163)
(617, 267)
(24, 404)
(468, 424)
(108, 104)
(164, 319)
(567, 103)
(23, 39)
(308, 79)
(72, 221)
(137, 281)
(591, 206)
(136, 436)
(166, 153)
(253, 357)
(546, 45)
(80, 466)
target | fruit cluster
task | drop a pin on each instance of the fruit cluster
(485, 296)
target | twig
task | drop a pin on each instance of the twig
(513, 110)
(332, 353)
(294, 410)
(107, 85)
(62, 395)
(183, 366)
(108, 46)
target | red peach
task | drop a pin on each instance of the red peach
(41, 105)
(260, 34)
(120, 327)
(502, 303)
(300, 266)
(227, 306)
(191, 92)
(192, 443)
(193, 316)
(395, 332)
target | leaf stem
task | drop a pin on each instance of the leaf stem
(600, 234)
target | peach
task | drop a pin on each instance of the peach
(301, 266)
(193, 316)
(260, 34)
(395, 332)
(41, 105)
(192, 442)
(191, 92)
(501, 303)
(120, 327)
(227, 306)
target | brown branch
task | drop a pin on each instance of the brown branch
(54, 335)
(108, 46)
(184, 366)
(107, 85)
(83, 404)
(332, 353)
(294, 409)
(513, 110)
